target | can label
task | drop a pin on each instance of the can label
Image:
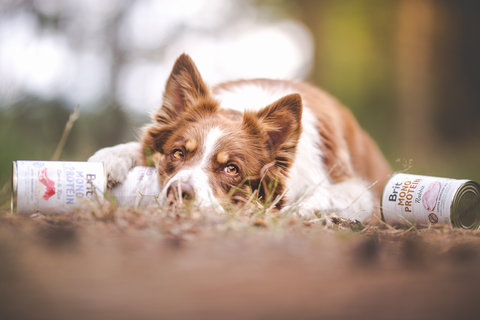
(140, 189)
(419, 200)
(55, 186)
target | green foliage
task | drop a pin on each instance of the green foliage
(31, 129)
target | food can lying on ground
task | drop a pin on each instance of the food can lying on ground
(422, 200)
(55, 186)
(58, 187)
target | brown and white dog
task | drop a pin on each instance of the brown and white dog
(282, 140)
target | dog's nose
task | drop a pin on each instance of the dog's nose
(181, 191)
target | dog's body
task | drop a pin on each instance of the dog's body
(279, 139)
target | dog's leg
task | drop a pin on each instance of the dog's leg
(118, 160)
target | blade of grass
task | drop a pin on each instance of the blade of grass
(66, 132)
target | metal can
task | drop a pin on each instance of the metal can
(140, 189)
(410, 199)
(55, 187)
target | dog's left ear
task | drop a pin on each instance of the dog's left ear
(184, 88)
(281, 121)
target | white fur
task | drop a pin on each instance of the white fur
(198, 179)
(210, 144)
(118, 160)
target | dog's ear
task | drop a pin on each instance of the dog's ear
(280, 126)
(184, 87)
(281, 122)
(154, 137)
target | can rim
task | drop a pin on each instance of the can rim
(105, 178)
(14, 181)
(457, 210)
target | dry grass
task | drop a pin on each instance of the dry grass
(114, 263)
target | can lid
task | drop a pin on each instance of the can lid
(465, 208)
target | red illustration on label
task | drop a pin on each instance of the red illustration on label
(48, 183)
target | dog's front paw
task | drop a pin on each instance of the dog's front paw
(116, 168)
(117, 161)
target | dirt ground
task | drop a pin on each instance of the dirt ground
(125, 264)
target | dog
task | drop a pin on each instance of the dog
(284, 142)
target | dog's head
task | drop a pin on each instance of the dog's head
(209, 154)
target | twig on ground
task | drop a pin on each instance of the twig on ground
(66, 132)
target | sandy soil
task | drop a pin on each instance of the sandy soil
(148, 265)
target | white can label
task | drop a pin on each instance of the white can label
(140, 189)
(57, 186)
(420, 200)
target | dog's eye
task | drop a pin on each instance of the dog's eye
(231, 169)
(177, 154)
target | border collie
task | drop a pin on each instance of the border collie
(285, 142)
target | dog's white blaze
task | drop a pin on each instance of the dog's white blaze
(197, 176)
(198, 179)
(210, 144)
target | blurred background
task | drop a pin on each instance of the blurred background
(408, 69)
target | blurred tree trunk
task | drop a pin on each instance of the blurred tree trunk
(311, 12)
(458, 68)
(414, 51)
(118, 53)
